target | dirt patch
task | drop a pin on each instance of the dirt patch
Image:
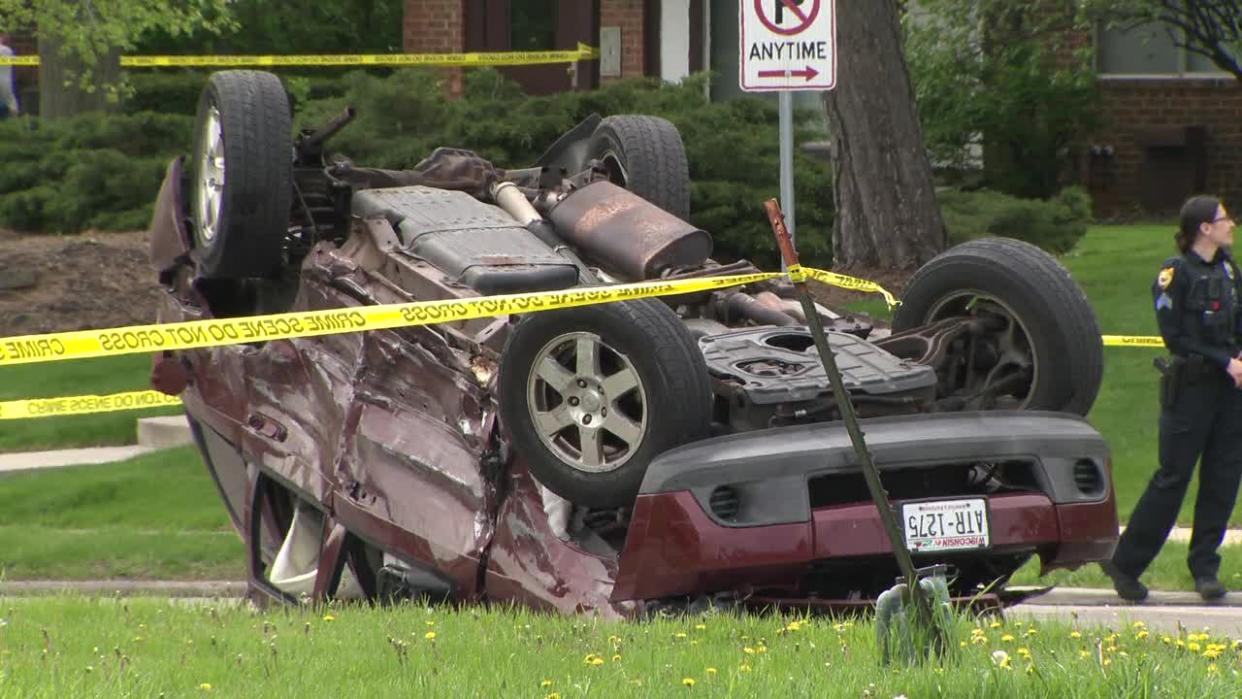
(52, 283)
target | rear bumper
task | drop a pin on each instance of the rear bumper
(785, 526)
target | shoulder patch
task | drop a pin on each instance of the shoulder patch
(1165, 278)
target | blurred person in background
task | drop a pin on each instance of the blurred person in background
(8, 90)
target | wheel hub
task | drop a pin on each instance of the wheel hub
(587, 402)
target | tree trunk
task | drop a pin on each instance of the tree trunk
(60, 94)
(886, 211)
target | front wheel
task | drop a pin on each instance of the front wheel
(591, 395)
(1033, 342)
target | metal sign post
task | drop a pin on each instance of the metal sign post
(787, 45)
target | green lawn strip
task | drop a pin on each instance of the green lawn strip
(54, 647)
(157, 516)
(73, 378)
(1167, 572)
(47, 553)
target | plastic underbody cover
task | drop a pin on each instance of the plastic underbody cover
(780, 365)
(473, 242)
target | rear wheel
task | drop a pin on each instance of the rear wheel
(241, 175)
(645, 154)
(591, 395)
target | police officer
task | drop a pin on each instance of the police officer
(1196, 296)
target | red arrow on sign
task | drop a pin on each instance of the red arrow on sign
(809, 73)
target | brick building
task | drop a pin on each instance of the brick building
(1172, 126)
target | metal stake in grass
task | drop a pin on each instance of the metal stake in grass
(929, 617)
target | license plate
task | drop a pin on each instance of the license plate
(945, 525)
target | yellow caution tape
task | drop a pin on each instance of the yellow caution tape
(499, 58)
(82, 344)
(852, 283)
(1132, 341)
(82, 405)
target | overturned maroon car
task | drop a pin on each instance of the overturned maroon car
(615, 458)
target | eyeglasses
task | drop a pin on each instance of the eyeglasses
(1222, 219)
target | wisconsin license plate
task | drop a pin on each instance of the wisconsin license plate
(946, 525)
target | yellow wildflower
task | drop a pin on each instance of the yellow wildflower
(430, 622)
(329, 617)
(1030, 632)
(961, 643)
(430, 635)
(545, 684)
(1141, 635)
(1001, 659)
(1007, 638)
(1075, 634)
(700, 627)
(744, 668)
(553, 695)
(1084, 654)
(748, 650)
(1024, 653)
(616, 657)
(1211, 654)
(688, 681)
(593, 659)
(1212, 669)
(679, 635)
(711, 670)
(996, 624)
(206, 686)
(1193, 647)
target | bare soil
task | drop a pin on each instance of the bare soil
(80, 282)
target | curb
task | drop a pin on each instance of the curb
(1103, 597)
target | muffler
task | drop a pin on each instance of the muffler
(626, 234)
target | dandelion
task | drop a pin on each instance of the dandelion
(329, 617)
(962, 644)
(995, 625)
(545, 684)
(206, 686)
(430, 622)
(1030, 632)
(700, 627)
(430, 635)
(593, 659)
(616, 657)
(794, 626)
(1212, 669)
(1193, 647)
(1084, 654)
(1075, 634)
(711, 670)
(1024, 653)
(1141, 635)
(687, 681)
(1211, 653)
(1007, 638)
(679, 635)
(748, 650)
(744, 668)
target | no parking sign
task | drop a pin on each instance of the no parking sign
(787, 45)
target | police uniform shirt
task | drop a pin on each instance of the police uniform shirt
(1197, 306)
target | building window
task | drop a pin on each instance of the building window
(533, 25)
(1147, 50)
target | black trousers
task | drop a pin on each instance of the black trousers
(1205, 420)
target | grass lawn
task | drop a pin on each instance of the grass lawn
(1167, 572)
(72, 378)
(149, 648)
(157, 516)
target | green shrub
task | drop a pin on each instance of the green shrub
(1055, 225)
(90, 171)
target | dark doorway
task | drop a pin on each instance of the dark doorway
(537, 25)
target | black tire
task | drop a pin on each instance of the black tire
(645, 155)
(1064, 336)
(673, 396)
(243, 235)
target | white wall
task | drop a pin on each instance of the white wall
(674, 39)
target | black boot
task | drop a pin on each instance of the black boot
(1127, 586)
(1209, 588)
